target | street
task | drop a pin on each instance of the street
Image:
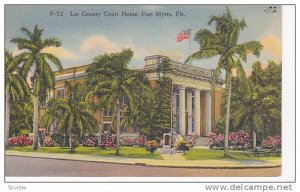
(17, 166)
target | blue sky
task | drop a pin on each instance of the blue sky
(83, 38)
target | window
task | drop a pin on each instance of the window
(177, 101)
(61, 93)
(44, 103)
(193, 102)
(193, 124)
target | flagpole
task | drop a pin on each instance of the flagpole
(171, 128)
(190, 43)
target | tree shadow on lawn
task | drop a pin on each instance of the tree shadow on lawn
(244, 161)
(235, 156)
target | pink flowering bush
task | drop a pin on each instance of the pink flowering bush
(107, 142)
(272, 142)
(90, 142)
(243, 138)
(127, 141)
(22, 140)
(49, 142)
(216, 140)
(191, 140)
(140, 141)
(233, 138)
(277, 141)
(239, 139)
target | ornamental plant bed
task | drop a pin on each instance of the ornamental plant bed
(21, 140)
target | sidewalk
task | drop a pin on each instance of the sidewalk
(174, 160)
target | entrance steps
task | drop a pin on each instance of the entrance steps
(201, 141)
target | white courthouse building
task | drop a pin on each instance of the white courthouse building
(194, 108)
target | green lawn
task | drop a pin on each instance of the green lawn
(205, 154)
(127, 152)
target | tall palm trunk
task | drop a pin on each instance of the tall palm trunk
(118, 127)
(254, 136)
(70, 143)
(35, 145)
(100, 127)
(228, 100)
(64, 142)
(7, 118)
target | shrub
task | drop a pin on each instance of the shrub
(277, 141)
(216, 140)
(22, 140)
(183, 145)
(140, 141)
(239, 139)
(90, 141)
(272, 142)
(233, 138)
(243, 138)
(107, 142)
(151, 146)
(49, 142)
(127, 141)
(191, 140)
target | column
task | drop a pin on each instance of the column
(51, 94)
(189, 111)
(208, 113)
(174, 110)
(182, 111)
(197, 117)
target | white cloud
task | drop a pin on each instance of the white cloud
(99, 44)
(272, 45)
(60, 52)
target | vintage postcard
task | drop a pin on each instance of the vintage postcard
(152, 93)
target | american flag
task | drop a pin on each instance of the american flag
(183, 35)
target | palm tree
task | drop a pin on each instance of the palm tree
(112, 81)
(34, 58)
(71, 115)
(224, 43)
(16, 87)
(97, 104)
